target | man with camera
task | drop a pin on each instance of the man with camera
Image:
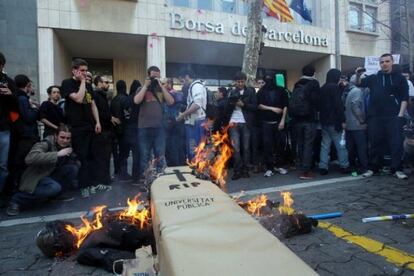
(240, 113)
(82, 116)
(52, 168)
(151, 134)
(8, 114)
(387, 104)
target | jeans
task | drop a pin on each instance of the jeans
(174, 151)
(193, 134)
(388, 130)
(48, 187)
(4, 156)
(305, 134)
(329, 135)
(240, 137)
(151, 140)
(270, 136)
(357, 145)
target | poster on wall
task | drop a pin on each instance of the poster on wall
(372, 63)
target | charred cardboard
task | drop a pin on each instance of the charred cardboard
(199, 230)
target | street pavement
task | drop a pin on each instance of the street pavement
(377, 248)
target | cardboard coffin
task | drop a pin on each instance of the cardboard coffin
(200, 230)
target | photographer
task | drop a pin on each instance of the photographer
(151, 134)
(52, 167)
(240, 113)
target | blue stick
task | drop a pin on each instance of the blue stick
(326, 216)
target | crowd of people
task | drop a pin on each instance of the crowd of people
(272, 130)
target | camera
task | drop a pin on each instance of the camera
(361, 70)
(154, 84)
(234, 96)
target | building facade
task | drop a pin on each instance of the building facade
(121, 38)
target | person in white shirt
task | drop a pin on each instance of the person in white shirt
(195, 114)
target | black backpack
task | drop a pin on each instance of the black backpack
(299, 105)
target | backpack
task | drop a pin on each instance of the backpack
(299, 105)
(211, 106)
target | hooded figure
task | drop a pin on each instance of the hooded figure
(330, 103)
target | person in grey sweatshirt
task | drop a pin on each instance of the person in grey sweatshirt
(356, 127)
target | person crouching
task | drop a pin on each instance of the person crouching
(52, 168)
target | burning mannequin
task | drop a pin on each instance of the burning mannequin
(52, 168)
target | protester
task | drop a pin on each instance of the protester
(332, 118)
(27, 125)
(195, 115)
(102, 142)
(273, 102)
(151, 132)
(8, 114)
(356, 128)
(175, 131)
(83, 118)
(52, 169)
(240, 114)
(51, 115)
(387, 104)
(303, 106)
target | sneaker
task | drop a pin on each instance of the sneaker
(85, 192)
(13, 209)
(368, 173)
(236, 176)
(245, 175)
(306, 176)
(100, 188)
(268, 173)
(64, 198)
(323, 171)
(281, 170)
(400, 175)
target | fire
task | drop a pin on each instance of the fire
(254, 206)
(211, 156)
(81, 233)
(286, 207)
(132, 214)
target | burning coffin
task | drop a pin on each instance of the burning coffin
(199, 230)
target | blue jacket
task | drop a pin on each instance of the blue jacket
(28, 116)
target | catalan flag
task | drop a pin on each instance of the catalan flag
(278, 9)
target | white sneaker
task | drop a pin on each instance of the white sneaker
(85, 192)
(100, 188)
(281, 170)
(400, 175)
(268, 173)
(368, 173)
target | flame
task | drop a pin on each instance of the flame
(286, 207)
(132, 214)
(87, 227)
(211, 156)
(254, 205)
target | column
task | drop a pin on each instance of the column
(46, 61)
(156, 53)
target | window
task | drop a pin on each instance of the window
(362, 16)
(181, 3)
(205, 4)
(228, 6)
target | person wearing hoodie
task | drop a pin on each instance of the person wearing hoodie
(304, 118)
(386, 107)
(52, 168)
(332, 118)
(356, 127)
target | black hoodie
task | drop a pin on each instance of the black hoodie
(387, 91)
(331, 109)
